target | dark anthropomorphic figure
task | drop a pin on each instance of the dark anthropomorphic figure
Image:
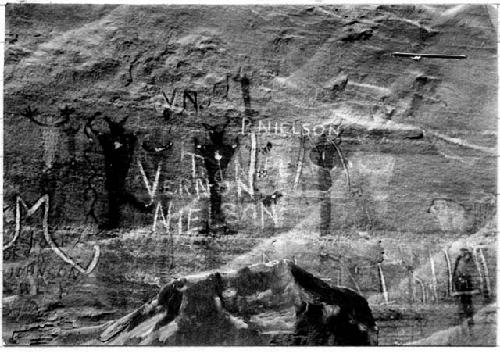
(216, 155)
(326, 154)
(118, 148)
(464, 285)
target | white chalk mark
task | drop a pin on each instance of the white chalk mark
(240, 184)
(434, 278)
(191, 219)
(382, 91)
(30, 211)
(460, 142)
(251, 168)
(180, 220)
(243, 123)
(448, 265)
(193, 166)
(300, 162)
(151, 190)
(195, 155)
(486, 271)
(382, 283)
(159, 212)
(45, 224)
(236, 170)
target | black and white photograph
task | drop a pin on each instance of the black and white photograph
(314, 174)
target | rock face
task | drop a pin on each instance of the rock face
(326, 65)
(226, 105)
(274, 303)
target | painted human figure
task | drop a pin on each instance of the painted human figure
(465, 286)
(216, 155)
(118, 148)
(55, 169)
(326, 155)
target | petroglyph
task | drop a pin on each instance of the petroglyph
(118, 148)
(376, 171)
(452, 216)
(50, 131)
(216, 154)
(327, 155)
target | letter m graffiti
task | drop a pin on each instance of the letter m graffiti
(44, 201)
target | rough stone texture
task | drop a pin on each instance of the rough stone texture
(85, 67)
(419, 140)
(251, 306)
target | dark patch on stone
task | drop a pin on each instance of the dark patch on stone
(118, 148)
(326, 155)
(216, 154)
(249, 282)
(352, 325)
(358, 35)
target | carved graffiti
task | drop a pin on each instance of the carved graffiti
(44, 200)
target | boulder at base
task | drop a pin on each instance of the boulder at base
(276, 303)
